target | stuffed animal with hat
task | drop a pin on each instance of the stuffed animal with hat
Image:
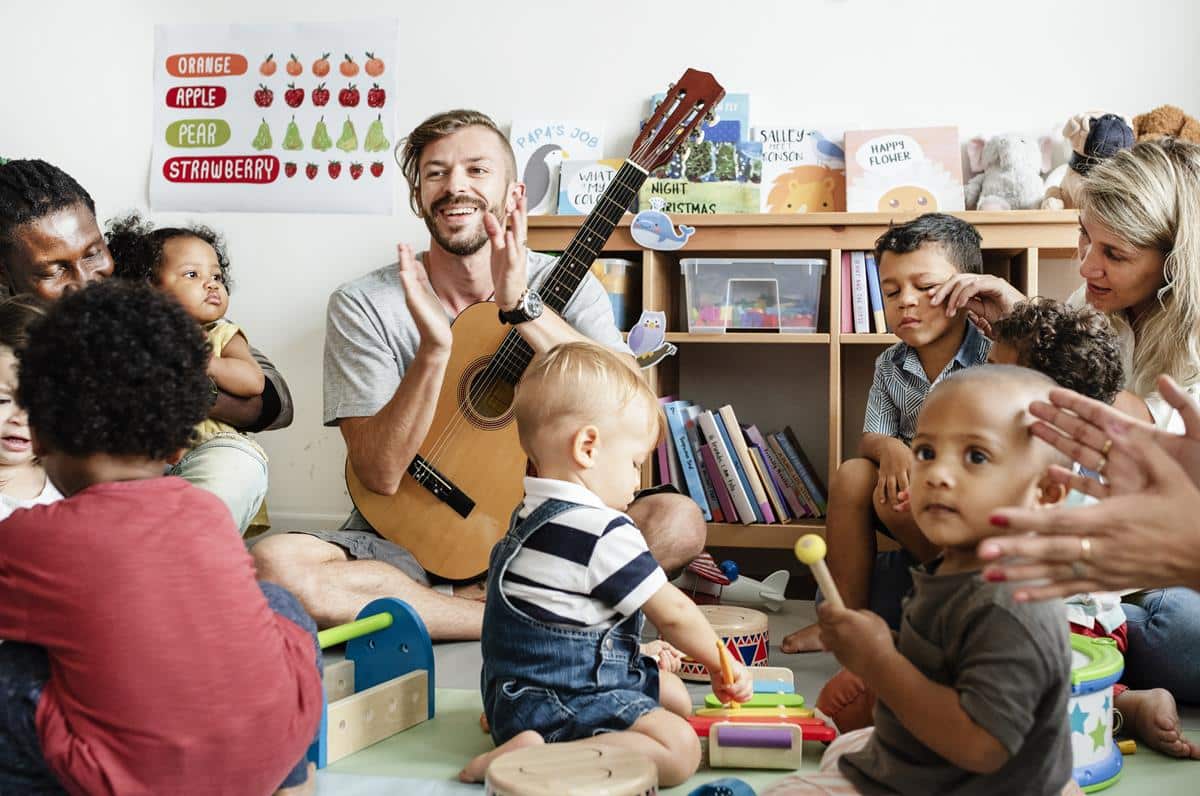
(1093, 136)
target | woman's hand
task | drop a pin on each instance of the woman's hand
(1136, 538)
(989, 297)
(424, 305)
(508, 255)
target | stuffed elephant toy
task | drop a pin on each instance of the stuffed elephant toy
(1012, 165)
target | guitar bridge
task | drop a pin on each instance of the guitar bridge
(442, 488)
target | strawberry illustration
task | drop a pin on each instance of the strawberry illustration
(376, 97)
(320, 95)
(293, 96)
(355, 171)
(289, 169)
(377, 169)
(310, 171)
(264, 96)
(348, 97)
(335, 169)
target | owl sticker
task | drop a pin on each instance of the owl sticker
(648, 339)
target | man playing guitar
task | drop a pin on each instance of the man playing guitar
(387, 345)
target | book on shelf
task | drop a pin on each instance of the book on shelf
(756, 512)
(739, 496)
(668, 459)
(858, 290)
(724, 502)
(756, 439)
(709, 177)
(875, 294)
(540, 147)
(774, 499)
(904, 171)
(583, 182)
(739, 446)
(803, 170)
(693, 437)
(808, 473)
(731, 118)
(676, 420)
(847, 296)
(793, 477)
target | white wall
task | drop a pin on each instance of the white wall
(78, 93)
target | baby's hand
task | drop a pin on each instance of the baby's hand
(858, 639)
(669, 659)
(740, 690)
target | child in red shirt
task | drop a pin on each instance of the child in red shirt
(141, 655)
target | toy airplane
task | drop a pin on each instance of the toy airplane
(708, 583)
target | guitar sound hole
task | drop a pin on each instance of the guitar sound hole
(491, 396)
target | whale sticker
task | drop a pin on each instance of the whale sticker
(653, 229)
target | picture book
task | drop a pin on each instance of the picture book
(541, 146)
(904, 172)
(727, 463)
(875, 295)
(858, 292)
(738, 445)
(582, 182)
(731, 122)
(847, 296)
(803, 170)
(711, 177)
(676, 420)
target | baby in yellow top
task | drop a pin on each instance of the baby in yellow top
(190, 265)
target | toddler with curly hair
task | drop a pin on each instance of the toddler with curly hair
(190, 265)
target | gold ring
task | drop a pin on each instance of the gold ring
(1107, 447)
(1103, 463)
(1085, 549)
(1078, 571)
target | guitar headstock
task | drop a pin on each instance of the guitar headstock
(676, 118)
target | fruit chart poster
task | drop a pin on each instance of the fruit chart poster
(281, 118)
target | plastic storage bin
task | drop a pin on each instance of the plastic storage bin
(622, 281)
(753, 295)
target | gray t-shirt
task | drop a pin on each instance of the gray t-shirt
(371, 339)
(1011, 666)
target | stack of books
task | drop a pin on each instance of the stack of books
(862, 301)
(734, 472)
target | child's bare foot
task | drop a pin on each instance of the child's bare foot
(669, 659)
(806, 639)
(1153, 719)
(477, 768)
(306, 788)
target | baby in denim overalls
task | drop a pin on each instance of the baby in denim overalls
(568, 584)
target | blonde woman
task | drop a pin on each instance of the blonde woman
(1139, 252)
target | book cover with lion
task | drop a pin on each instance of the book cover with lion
(803, 170)
(909, 171)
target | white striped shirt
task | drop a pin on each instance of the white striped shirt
(588, 567)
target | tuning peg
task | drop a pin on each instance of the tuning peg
(697, 136)
(710, 119)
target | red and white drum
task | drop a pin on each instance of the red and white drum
(743, 631)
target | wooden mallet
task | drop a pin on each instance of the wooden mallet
(810, 549)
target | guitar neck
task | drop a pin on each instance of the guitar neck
(573, 264)
(559, 286)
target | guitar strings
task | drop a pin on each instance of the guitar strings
(509, 354)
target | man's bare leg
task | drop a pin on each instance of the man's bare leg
(850, 541)
(333, 589)
(673, 526)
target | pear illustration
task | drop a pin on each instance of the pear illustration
(376, 140)
(321, 139)
(348, 142)
(291, 140)
(263, 139)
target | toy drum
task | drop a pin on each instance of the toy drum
(578, 769)
(743, 631)
(1095, 665)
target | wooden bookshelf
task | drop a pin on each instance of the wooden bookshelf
(1014, 243)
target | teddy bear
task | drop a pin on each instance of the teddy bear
(1166, 120)
(1094, 136)
(1011, 166)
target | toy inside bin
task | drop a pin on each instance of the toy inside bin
(753, 295)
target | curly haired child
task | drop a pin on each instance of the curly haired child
(190, 265)
(23, 482)
(127, 602)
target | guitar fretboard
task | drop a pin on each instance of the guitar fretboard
(559, 286)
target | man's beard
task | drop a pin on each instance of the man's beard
(464, 244)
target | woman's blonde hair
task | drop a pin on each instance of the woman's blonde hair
(582, 382)
(1149, 196)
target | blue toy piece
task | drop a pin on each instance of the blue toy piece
(774, 687)
(382, 649)
(730, 570)
(726, 786)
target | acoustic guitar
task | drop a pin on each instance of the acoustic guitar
(466, 478)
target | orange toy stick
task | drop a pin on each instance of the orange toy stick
(726, 670)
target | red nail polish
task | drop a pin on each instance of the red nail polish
(998, 520)
(994, 576)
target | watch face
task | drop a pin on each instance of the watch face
(533, 303)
